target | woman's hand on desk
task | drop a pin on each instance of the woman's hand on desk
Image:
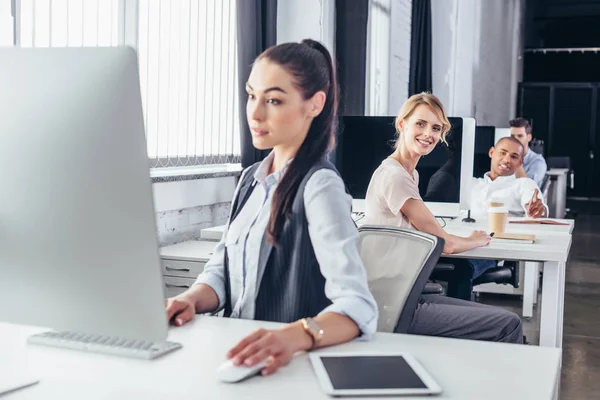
(180, 310)
(480, 238)
(199, 298)
(277, 347)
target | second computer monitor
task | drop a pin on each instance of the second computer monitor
(500, 133)
(484, 140)
(444, 174)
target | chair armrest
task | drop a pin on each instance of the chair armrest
(433, 288)
(442, 267)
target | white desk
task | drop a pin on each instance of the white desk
(481, 223)
(215, 233)
(530, 270)
(464, 369)
(550, 252)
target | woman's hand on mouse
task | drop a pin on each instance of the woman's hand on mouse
(180, 310)
(277, 347)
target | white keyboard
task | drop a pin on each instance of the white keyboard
(104, 344)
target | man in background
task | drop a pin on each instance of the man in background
(501, 183)
(534, 166)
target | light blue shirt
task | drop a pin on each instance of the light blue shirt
(535, 166)
(333, 235)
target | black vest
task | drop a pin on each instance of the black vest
(291, 285)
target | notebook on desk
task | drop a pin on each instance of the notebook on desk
(539, 221)
(513, 238)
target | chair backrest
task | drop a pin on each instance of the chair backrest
(537, 146)
(558, 162)
(562, 162)
(398, 262)
(545, 187)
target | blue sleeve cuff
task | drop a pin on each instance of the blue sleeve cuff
(356, 309)
(216, 283)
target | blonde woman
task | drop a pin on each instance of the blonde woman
(393, 199)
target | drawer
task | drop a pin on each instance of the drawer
(175, 285)
(184, 269)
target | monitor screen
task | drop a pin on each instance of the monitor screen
(364, 142)
(484, 140)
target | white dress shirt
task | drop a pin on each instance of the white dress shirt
(512, 191)
(333, 235)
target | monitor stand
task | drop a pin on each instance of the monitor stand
(468, 218)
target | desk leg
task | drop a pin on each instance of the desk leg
(528, 287)
(551, 316)
(561, 196)
(536, 282)
(563, 279)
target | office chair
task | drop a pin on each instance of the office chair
(506, 273)
(440, 269)
(564, 162)
(545, 187)
(558, 162)
(537, 146)
(398, 262)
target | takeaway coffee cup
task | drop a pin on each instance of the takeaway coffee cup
(498, 217)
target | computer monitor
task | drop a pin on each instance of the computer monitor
(484, 140)
(444, 175)
(501, 133)
(78, 241)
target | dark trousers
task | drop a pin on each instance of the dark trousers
(460, 281)
(446, 317)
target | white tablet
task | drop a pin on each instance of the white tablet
(13, 380)
(372, 374)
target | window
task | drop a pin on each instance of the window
(187, 58)
(59, 23)
(388, 56)
(378, 58)
(6, 23)
(188, 74)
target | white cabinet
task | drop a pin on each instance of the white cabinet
(182, 263)
(175, 285)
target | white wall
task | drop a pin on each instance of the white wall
(306, 19)
(388, 44)
(443, 16)
(388, 56)
(183, 208)
(6, 31)
(399, 54)
(477, 48)
(378, 57)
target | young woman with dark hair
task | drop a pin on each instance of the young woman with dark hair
(290, 251)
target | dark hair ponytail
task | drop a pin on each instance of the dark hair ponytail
(312, 70)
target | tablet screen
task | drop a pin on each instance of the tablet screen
(371, 372)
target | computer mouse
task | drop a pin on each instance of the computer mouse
(230, 373)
